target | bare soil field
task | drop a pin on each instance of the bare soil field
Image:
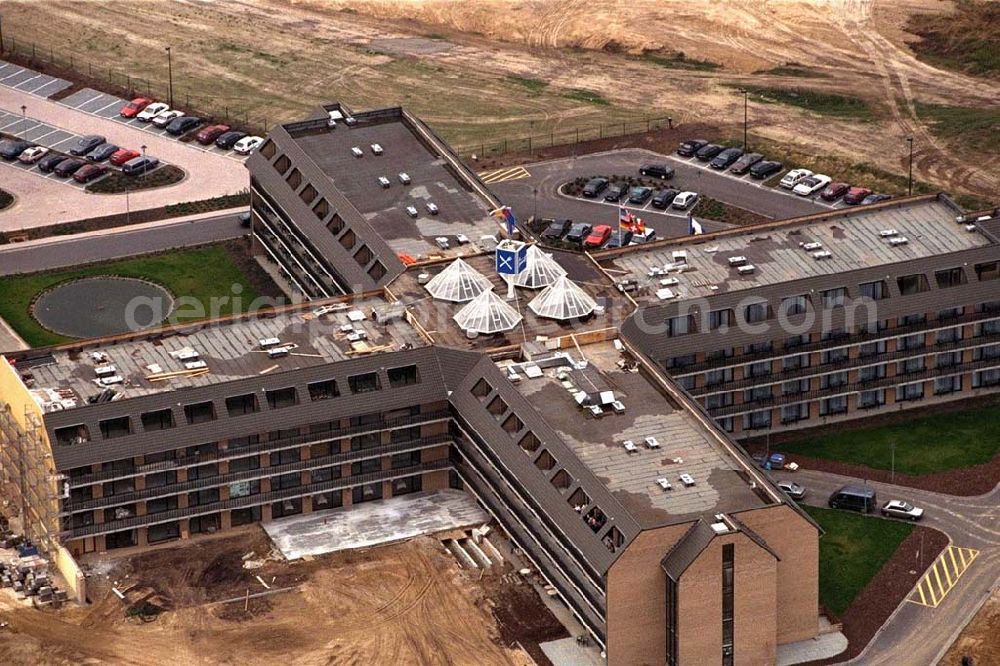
(981, 638)
(479, 71)
(400, 604)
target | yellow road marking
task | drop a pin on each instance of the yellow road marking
(944, 568)
(920, 589)
(936, 588)
(954, 564)
(501, 175)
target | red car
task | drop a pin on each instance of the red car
(211, 133)
(834, 191)
(131, 109)
(89, 172)
(123, 155)
(856, 195)
(599, 235)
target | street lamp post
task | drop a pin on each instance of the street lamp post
(892, 478)
(909, 180)
(170, 77)
(24, 121)
(746, 109)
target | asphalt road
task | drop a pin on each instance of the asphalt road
(917, 634)
(116, 243)
(546, 177)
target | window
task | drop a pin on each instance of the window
(162, 419)
(910, 366)
(950, 359)
(834, 297)
(872, 372)
(718, 400)
(245, 516)
(203, 471)
(244, 464)
(793, 305)
(74, 434)
(562, 480)
(282, 164)
(289, 507)
(407, 485)
(363, 256)
(283, 397)
(908, 342)
(795, 362)
(978, 354)
(118, 427)
(408, 459)
(497, 406)
(870, 399)
(367, 492)
(675, 362)
(912, 284)
(796, 341)
(335, 225)
(545, 461)
(203, 497)
(716, 377)
(719, 318)
(835, 334)
(285, 457)
(989, 270)
(948, 335)
(680, 326)
(268, 149)
(282, 434)
(759, 347)
(686, 383)
(726, 423)
(330, 500)
(161, 504)
(950, 277)
(950, 313)
(243, 442)
(410, 434)
(161, 479)
(286, 481)
(405, 376)
(838, 355)
(719, 354)
(728, 606)
(368, 441)
(323, 390)
(579, 500)
(614, 539)
(595, 519)
(529, 443)
(377, 271)
(944, 385)
(365, 383)
(348, 239)
(200, 412)
(294, 179)
(238, 405)
(872, 348)
(512, 424)
(671, 599)
(874, 290)
(833, 380)
(120, 487)
(793, 413)
(834, 405)
(324, 474)
(757, 393)
(795, 387)
(909, 392)
(307, 194)
(757, 420)
(912, 319)
(986, 378)
(759, 369)
(481, 389)
(321, 209)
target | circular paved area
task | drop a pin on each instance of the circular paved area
(99, 306)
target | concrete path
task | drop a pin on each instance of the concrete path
(373, 523)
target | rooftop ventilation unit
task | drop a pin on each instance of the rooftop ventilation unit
(812, 247)
(822, 254)
(266, 343)
(746, 269)
(970, 227)
(357, 152)
(687, 479)
(898, 240)
(888, 233)
(680, 256)
(105, 370)
(720, 528)
(377, 149)
(663, 483)
(737, 261)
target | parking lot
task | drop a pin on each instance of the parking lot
(30, 81)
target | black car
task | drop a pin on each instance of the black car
(663, 198)
(875, 198)
(765, 169)
(616, 193)
(85, 144)
(102, 152)
(11, 149)
(639, 195)
(618, 238)
(689, 148)
(49, 162)
(708, 151)
(228, 139)
(578, 232)
(594, 187)
(245, 219)
(556, 229)
(183, 125)
(68, 167)
(661, 171)
(726, 158)
(742, 165)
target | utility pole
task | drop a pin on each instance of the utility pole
(170, 77)
(24, 121)
(746, 109)
(909, 180)
(1, 36)
(892, 478)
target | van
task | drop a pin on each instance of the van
(854, 498)
(139, 165)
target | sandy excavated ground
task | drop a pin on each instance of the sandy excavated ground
(981, 638)
(401, 604)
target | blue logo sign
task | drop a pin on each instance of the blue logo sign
(511, 261)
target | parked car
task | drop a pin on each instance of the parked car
(690, 147)
(856, 195)
(742, 165)
(140, 165)
(684, 200)
(793, 177)
(48, 163)
(616, 192)
(102, 152)
(854, 498)
(661, 171)
(245, 220)
(663, 198)
(875, 198)
(577, 232)
(618, 239)
(89, 172)
(11, 149)
(247, 144)
(123, 155)
(598, 236)
(167, 117)
(811, 185)
(594, 187)
(33, 154)
(209, 134)
(647, 236)
(901, 509)
(556, 229)
(229, 139)
(725, 159)
(639, 195)
(67, 168)
(765, 169)
(183, 125)
(133, 108)
(85, 144)
(792, 489)
(708, 151)
(152, 111)
(834, 191)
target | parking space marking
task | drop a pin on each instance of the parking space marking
(10, 76)
(502, 175)
(942, 576)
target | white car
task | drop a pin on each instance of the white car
(901, 509)
(793, 177)
(166, 117)
(247, 144)
(33, 154)
(684, 200)
(151, 111)
(811, 185)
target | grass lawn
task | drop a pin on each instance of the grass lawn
(853, 550)
(200, 273)
(923, 445)
(970, 128)
(826, 104)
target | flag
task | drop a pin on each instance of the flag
(507, 215)
(625, 218)
(694, 227)
(638, 226)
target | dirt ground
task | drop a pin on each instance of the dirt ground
(980, 639)
(405, 603)
(510, 66)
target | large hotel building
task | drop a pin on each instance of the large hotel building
(593, 416)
